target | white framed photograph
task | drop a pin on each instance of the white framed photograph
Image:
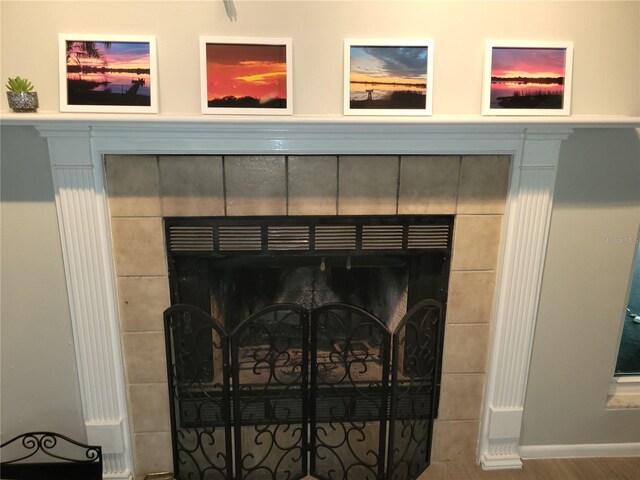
(242, 75)
(108, 73)
(388, 77)
(527, 78)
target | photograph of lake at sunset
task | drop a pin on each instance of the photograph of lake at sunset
(388, 77)
(108, 73)
(528, 78)
(246, 76)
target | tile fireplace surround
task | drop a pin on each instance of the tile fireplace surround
(497, 178)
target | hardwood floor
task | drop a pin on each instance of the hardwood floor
(624, 468)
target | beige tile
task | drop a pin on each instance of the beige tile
(255, 185)
(428, 184)
(132, 183)
(191, 186)
(476, 242)
(138, 246)
(368, 185)
(484, 183)
(461, 396)
(153, 453)
(141, 301)
(144, 357)
(455, 441)
(470, 298)
(465, 348)
(149, 407)
(313, 185)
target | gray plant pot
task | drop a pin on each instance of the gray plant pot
(23, 101)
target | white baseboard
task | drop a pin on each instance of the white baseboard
(117, 476)
(578, 451)
(501, 462)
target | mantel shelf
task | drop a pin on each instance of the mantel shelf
(91, 119)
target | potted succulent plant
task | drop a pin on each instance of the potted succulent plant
(21, 96)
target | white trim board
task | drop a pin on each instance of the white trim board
(124, 476)
(580, 450)
(625, 386)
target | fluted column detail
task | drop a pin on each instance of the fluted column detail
(529, 216)
(87, 262)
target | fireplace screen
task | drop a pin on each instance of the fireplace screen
(288, 357)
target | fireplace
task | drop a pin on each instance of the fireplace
(116, 266)
(405, 220)
(300, 345)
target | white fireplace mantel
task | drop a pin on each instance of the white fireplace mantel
(76, 149)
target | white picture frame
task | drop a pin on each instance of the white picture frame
(388, 77)
(108, 73)
(527, 78)
(244, 75)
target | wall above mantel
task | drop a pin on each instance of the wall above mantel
(606, 69)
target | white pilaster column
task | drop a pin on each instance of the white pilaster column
(527, 228)
(83, 225)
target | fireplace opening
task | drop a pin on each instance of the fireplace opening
(305, 345)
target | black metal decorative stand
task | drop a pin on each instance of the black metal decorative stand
(49, 456)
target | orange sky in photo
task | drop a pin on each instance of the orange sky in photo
(238, 70)
(528, 62)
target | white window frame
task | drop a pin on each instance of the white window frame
(625, 385)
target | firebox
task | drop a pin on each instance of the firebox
(305, 345)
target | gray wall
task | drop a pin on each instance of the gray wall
(594, 227)
(39, 378)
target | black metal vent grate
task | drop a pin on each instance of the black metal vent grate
(191, 238)
(313, 235)
(285, 237)
(335, 237)
(382, 237)
(240, 238)
(428, 236)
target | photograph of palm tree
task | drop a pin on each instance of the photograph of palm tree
(108, 73)
(388, 77)
(246, 76)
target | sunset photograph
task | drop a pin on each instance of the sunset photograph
(102, 73)
(246, 76)
(528, 78)
(388, 77)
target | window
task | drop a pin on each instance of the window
(629, 354)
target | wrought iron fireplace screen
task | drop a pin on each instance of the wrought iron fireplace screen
(291, 391)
